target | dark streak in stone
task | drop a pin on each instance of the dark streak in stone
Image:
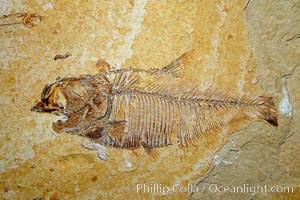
(295, 37)
(247, 5)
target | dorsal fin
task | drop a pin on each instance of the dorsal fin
(183, 60)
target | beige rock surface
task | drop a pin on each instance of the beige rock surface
(37, 163)
(257, 155)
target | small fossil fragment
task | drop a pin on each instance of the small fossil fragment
(58, 56)
(133, 108)
(27, 19)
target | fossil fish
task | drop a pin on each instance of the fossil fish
(133, 108)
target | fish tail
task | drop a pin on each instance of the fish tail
(266, 109)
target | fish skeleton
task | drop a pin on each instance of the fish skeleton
(134, 108)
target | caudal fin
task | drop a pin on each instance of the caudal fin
(267, 110)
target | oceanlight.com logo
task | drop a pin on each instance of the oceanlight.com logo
(251, 189)
(161, 189)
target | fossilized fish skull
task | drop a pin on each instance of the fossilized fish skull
(76, 98)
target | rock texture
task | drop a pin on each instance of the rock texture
(252, 51)
(258, 155)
